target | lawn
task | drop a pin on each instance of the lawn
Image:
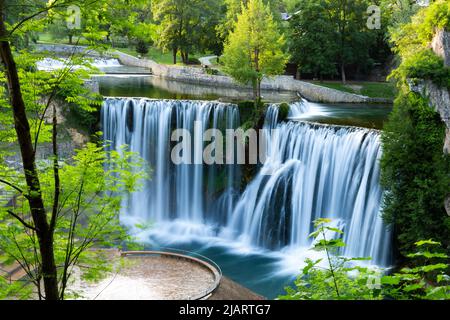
(371, 89)
(154, 53)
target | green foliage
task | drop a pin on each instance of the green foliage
(424, 64)
(255, 47)
(339, 279)
(250, 115)
(330, 33)
(185, 25)
(415, 172)
(88, 215)
(313, 39)
(342, 279)
(142, 47)
(416, 34)
(428, 280)
(384, 90)
(212, 71)
(283, 111)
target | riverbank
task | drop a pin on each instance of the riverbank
(198, 75)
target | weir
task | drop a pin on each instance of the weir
(311, 171)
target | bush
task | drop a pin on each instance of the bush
(142, 47)
(415, 173)
(193, 61)
(425, 64)
(332, 281)
(211, 71)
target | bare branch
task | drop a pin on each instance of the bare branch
(25, 224)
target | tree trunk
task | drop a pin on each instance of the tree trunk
(258, 88)
(174, 53)
(70, 38)
(255, 93)
(35, 200)
(344, 78)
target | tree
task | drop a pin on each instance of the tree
(312, 43)
(339, 28)
(47, 208)
(233, 8)
(141, 47)
(184, 25)
(415, 171)
(254, 49)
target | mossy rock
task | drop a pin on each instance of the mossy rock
(283, 111)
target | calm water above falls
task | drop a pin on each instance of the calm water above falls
(258, 235)
(362, 115)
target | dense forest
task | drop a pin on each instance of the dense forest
(59, 206)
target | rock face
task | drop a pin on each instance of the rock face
(441, 45)
(440, 97)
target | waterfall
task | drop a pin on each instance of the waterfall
(311, 171)
(188, 192)
(316, 171)
(49, 64)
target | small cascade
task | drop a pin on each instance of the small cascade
(49, 64)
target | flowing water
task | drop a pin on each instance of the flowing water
(312, 170)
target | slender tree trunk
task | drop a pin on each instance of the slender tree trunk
(343, 76)
(257, 89)
(35, 200)
(70, 38)
(174, 53)
(255, 94)
(258, 92)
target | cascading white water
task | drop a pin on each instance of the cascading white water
(311, 171)
(49, 64)
(186, 192)
(316, 171)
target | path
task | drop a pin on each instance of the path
(206, 61)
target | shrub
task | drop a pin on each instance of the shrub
(415, 173)
(332, 281)
(142, 47)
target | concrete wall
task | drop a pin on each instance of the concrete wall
(196, 75)
(280, 83)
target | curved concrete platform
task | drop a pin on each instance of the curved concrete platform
(157, 275)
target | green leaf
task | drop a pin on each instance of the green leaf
(424, 242)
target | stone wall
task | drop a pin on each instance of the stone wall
(197, 75)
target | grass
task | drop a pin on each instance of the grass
(158, 55)
(371, 89)
(154, 53)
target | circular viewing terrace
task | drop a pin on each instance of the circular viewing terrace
(158, 275)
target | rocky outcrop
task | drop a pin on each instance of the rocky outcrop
(439, 99)
(441, 45)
